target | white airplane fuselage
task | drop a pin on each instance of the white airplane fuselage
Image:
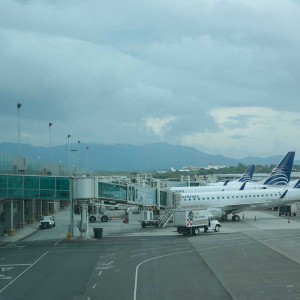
(240, 200)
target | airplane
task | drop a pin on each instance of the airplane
(246, 177)
(280, 175)
(222, 203)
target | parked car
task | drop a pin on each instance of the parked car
(47, 222)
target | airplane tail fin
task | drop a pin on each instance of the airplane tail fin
(247, 176)
(282, 173)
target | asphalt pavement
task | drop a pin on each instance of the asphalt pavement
(256, 258)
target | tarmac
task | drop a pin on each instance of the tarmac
(251, 221)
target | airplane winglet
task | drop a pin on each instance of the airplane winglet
(243, 186)
(283, 195)
(297, 184)
(225, 183)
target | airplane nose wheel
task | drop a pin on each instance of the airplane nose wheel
(235, 218)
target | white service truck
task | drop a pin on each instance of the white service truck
(191, 221)
(100, 213)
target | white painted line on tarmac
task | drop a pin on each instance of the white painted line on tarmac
(100, 272)
(58, 242)
(138, 255)
(7, 265)
(94, 285)
(109, 263)
(23, 272)
(177, 253)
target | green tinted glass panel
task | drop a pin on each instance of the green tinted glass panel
(3, 181)
(163, 198)
(47, 183)
(47, 194)
(15, 193)
(62, 195)
(31, 182)
(31, 194)
(15, 182)
(62, 184)
(112, 191)
(3, 193)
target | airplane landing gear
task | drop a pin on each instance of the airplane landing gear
(236, 218)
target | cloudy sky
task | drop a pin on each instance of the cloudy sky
(220, 76)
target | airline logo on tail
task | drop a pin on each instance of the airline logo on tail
(248, 174)
(282, 173)
(246, 177)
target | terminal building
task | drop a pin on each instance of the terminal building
(29, 190)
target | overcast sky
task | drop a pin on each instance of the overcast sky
(220, 76)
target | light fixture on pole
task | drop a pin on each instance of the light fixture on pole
(50, 156)
(19, 105)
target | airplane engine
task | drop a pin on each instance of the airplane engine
(218, 213)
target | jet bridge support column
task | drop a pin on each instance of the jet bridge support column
(31, 212)
(9, 218)
(84, 224)
(21, 213)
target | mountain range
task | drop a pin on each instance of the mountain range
(126, 157)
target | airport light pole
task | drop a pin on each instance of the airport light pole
(19, 105)
(67, 150)
(74, 160)
(50, 155)
(87, 159)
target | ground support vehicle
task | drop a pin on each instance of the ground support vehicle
(288, 210)
(47, 222)
(100, 213)
(149, 219)
(192, 221)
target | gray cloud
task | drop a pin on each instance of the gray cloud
(146, 71)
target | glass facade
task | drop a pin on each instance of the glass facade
(57, 188)
(112, 191)
(163, 198)
(34, 187)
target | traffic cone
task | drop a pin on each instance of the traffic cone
(69, 236)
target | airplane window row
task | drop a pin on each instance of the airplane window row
(228, 197)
